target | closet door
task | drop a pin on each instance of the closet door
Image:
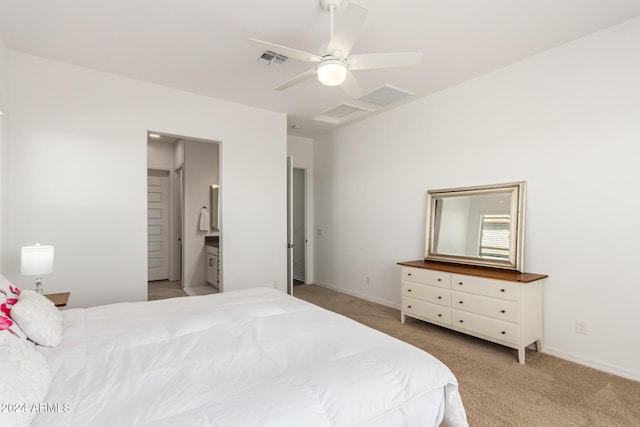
(158, 225)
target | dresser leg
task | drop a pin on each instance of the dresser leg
(521, 355)
(402, 318)
(539, 346)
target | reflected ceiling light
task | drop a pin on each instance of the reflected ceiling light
(154, 135)
(332, 72)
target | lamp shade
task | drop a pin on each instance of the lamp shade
(332, 72)
(36, 260)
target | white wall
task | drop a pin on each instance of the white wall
(453, 227)
(76, 178)
(3, 133)
(567, 122)
(301, 150)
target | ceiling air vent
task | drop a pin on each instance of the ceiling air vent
(341, 113)
(385, 95)
(268, 58)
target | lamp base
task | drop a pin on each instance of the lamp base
(39, 284)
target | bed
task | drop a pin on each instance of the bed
(255, 357)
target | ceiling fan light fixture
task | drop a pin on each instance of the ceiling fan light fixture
(332, 72)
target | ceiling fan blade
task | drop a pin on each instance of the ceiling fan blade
(373, 61)
(347, 30)
(351, 87)
(287, 51)
(297, 79)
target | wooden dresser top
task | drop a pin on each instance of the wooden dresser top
(491, 273)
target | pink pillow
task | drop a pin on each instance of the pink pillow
(8, 297)
(11, 326)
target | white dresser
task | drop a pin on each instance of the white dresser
(496, 305)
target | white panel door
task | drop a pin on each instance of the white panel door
(290, 225)
(158, 227)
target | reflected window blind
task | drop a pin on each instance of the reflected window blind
(494, 239)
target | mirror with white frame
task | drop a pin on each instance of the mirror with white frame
(480, 226)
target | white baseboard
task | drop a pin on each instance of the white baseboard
(595, 364)
(571, 357)
(359, 295)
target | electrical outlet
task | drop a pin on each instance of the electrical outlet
(581, 327)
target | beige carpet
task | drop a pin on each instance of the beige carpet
(162, 289)
(496, 390)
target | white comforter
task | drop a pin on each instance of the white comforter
(255, 357)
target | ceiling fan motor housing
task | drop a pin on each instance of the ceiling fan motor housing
(326, 4)
(332, 71)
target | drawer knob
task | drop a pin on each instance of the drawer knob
(408, 306)
(503, 333)
(502, 290)
(439, 280)
(408, 290)
(439, 297)
(408, 274)
(439, 315)
(503, 311)
(461, 321)
(460, 283)
(461, 302)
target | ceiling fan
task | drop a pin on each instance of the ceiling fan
(336, 64)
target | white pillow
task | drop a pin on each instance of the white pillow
(24, 380)
(38, 318)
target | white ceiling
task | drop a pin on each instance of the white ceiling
(201, 46)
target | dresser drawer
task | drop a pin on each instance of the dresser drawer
(426, 310)
(427, 277)
(489, 287)
(432, 294)
(492, 307)
(496, 329)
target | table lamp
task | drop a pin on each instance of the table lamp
(37, 261)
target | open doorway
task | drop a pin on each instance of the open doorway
(187, 230)
(299, 226)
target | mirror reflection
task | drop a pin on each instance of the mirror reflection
(213, 203)
(477, 225)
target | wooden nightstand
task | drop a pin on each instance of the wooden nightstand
(60, 300)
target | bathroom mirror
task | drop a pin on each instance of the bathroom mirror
(214, 192)
(481, 226)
